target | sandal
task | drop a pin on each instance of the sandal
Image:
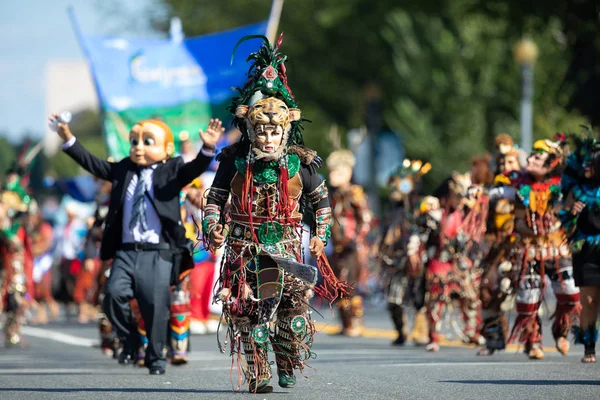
(589, 358)
(589, 354)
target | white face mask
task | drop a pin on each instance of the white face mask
(340, 176)
(269, 139)
(436, 214)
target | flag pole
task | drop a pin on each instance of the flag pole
(82, 45)
(77, 30)
(274, 17)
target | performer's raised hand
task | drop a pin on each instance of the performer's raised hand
(62, 129)
(213, 133)
(316, 247)
(413, 265)
(216, 236)
(577, 208)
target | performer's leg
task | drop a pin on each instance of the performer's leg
(83, 284)
(397, 314)
(47, 297)
(258, 370)
(14, 298)
(108, 338)
(179, 323)
(152, 291)
(118, 294)
(344, 309)
(587, 334)
(568, 306)
(434, 313)
(470, 310)
(420, 331)
(109, 342)
(494, 331)
(494, 328)
(293, 336)
(356, 317)
(142, 347)
(527, 327)
(200, 289)
(40, 315)
(438, 286)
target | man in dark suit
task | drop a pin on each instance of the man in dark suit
(144, 234)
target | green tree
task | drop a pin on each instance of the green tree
(7, 154)
(445, 68)
(335, 49)
(457, 85)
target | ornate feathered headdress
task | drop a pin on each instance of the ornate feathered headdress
(267, 75)
(505, 144)
(585, 146)
(405, 178)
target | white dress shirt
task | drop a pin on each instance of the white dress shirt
(152, 234)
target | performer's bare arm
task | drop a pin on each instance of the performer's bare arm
(318, 195)
(217, 197)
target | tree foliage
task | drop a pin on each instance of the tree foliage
(7, 154)
(457, 85)
(445, 69)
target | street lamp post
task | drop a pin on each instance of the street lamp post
(525, 52)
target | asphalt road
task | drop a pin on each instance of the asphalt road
(60, 363)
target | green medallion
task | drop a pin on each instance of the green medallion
(260, 334)
(298, 326)
(270, 232)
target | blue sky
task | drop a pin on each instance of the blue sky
(33, 32)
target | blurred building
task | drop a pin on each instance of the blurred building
(68, 87)
(389, 153)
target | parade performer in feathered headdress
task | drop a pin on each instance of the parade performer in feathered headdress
(352, 218)
(581, 218)
(16, 260)
(497, 283)
(453, 271)
(271, 178)
(542, 250)
(404, 285)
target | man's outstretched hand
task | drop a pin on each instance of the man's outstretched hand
(213, 133)
(62, 129)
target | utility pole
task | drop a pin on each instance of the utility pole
(526, 52)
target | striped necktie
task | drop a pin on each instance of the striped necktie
(138, 208)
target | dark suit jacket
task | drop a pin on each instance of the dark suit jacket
(169, 178)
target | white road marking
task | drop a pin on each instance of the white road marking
(59, 337)
(464, 363)
(47, 370)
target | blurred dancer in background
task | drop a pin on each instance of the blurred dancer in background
(351, 224)
(41, 235)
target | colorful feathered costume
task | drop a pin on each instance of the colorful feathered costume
(266, 308)
(583, 228)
